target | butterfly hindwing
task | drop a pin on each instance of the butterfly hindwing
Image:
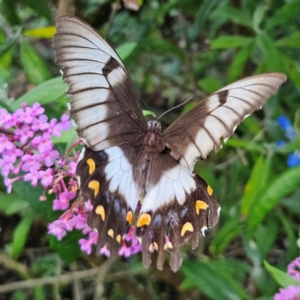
(175, 210)
(112, 215)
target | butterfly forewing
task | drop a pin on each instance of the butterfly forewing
(127, 162)
(204, 127)
(103, 98)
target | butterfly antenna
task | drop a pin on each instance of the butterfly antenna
(183, 103)
(141, 100)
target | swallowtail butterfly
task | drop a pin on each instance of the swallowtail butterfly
(129, 165)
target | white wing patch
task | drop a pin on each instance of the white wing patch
(174, 185)
(73, 30)
(91, 115)
(90, 81)
(119, 172)
(92, 97)
(117, 76)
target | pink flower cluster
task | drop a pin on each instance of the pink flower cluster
(291, 292)
(26, 146)
(28, 153)
(76, 218)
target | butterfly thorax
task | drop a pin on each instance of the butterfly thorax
(152, 137)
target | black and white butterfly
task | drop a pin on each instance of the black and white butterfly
(128, 163)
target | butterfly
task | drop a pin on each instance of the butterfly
(134, 173)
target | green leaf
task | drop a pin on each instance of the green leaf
(251, 124)
(45, 33)
(291, 69)
(266, 236)
(44, 93)
(67, 137)
(68, 248)
(41, 6)
(231, 41)
(159, 45)
(289, 11)
(217, 285)
(6, 106)
(270, 53)
(12, 203)
(284, 184)
(289, 147)
(31, 195)
(290, 41)
(258, 16)
(125, 50)
(281, 277)
(257, 181)
(288, 226)
(6, 54)
(20, 234)
(229, 231)
(205, 9)
(237, 16)
(34, 67)
(148, 113)
(250, 146)
(238, 64)
(9, 11)
(210, 84)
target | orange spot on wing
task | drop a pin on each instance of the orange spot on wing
(186, 227)
(110, 233)
(95, 186)
(92, 165)
(200, 205)
(209, 190)
(153, 246)
(119, 238)
(129, 217)
(143, 220)
(168, 245)
(100, 211)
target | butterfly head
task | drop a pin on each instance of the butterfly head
(154, 126)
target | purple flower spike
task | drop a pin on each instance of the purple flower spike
(294, 269)
(26, 147)
(290, 293)
(58, 228)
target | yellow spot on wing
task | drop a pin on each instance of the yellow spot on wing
(92, 165)
(129, 217)
(143, 220)
(95, 186)
(110, 233)
(119, 238)
(200, 205)
(100, 211)
(186, 227)
(209, 190)
(153, 246)
(168, 245)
